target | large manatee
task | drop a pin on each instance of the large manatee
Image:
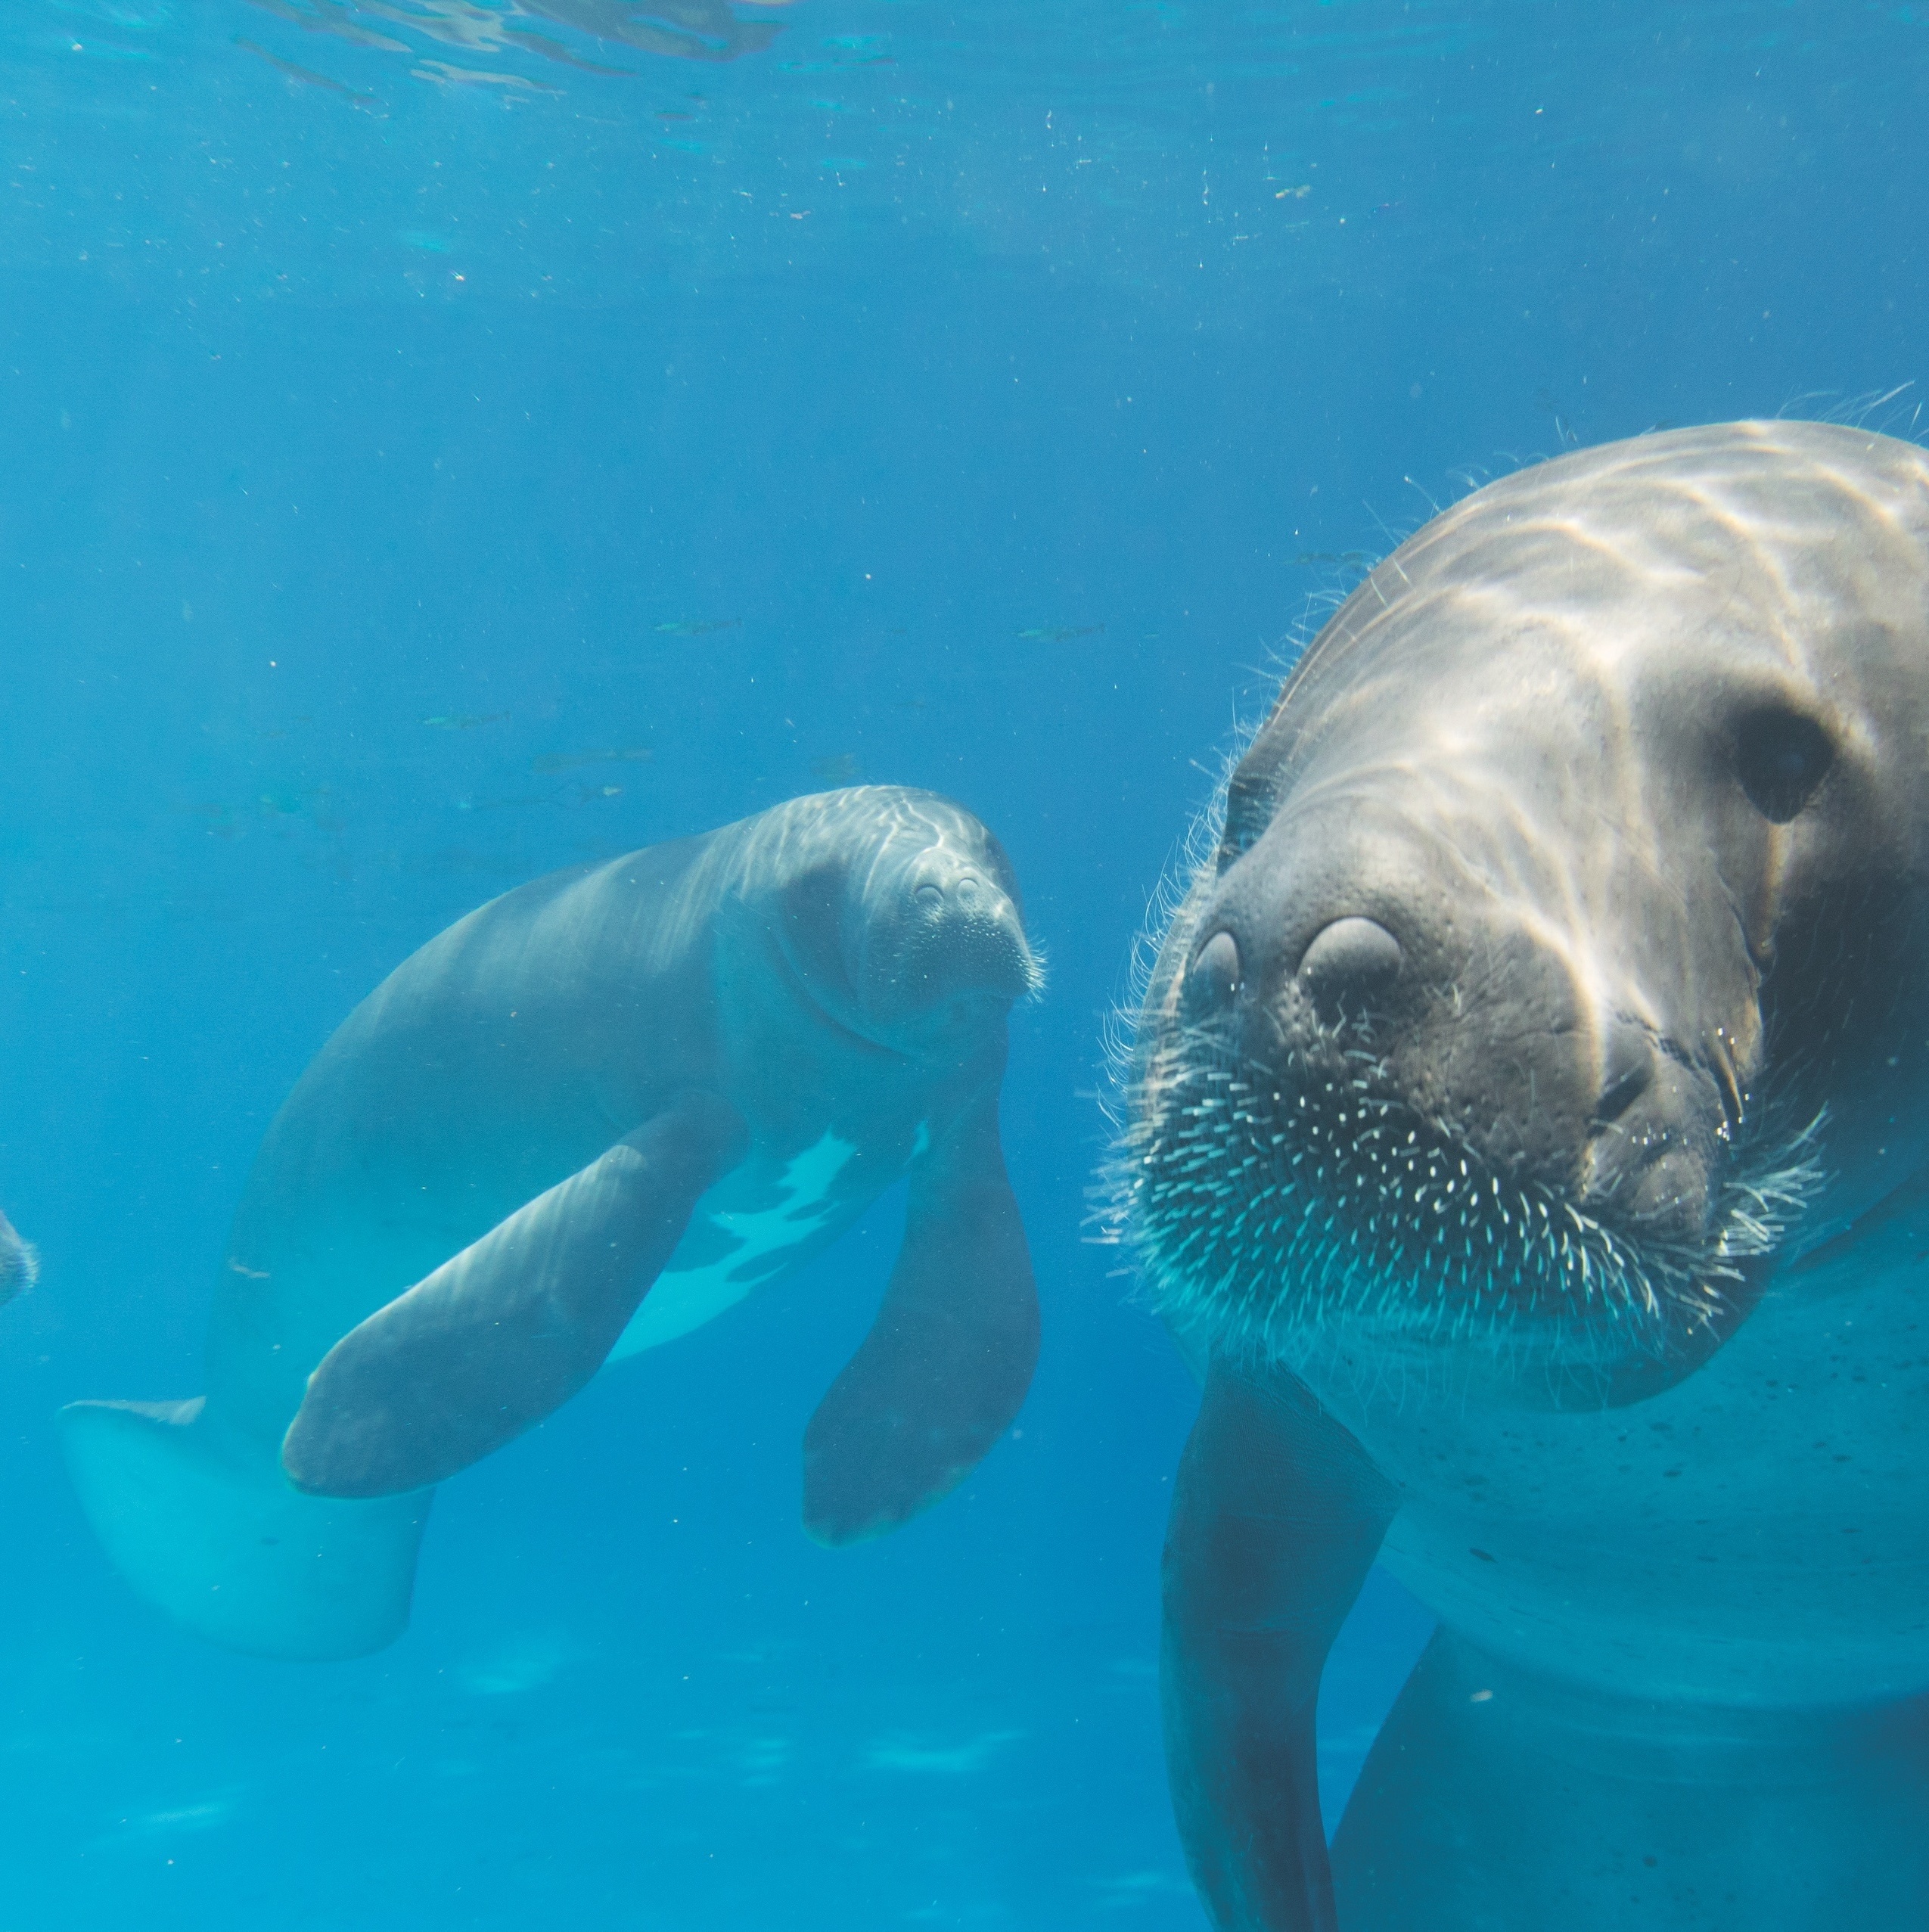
(582, 1121)
(1528, 1132)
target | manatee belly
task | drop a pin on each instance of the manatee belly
(759, 1221)
(1758, 1534)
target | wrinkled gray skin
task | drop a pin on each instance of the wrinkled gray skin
(1585, 852)
(590, 1116)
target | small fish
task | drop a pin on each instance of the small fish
(468, 723)
(568, 761)
(839, 769)
(1059, 633)
(690, 627)
(309, 79)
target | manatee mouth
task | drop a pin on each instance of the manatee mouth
(1275, 1209)
(964, 942)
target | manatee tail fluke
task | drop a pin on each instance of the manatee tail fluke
(227, 1548)
(946, 1365)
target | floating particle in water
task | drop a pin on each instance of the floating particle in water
(838, 768)
(698, 626)
(467, 722)
(568, 761)
(1058, 633)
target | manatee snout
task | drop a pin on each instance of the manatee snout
(1346, 950)
(945, 938)
(1656, 1146)
(964, 937)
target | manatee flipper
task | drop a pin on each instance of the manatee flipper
(947, 1363)
(216, 1538)
(508, 1330)
(1277, 1514)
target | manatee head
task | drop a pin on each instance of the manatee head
(1561, 970)
(903, 921)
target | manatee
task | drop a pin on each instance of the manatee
(1526, 1133)
(582, 1122)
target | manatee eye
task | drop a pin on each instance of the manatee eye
(1780, 757)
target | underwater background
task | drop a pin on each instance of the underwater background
(444, 442)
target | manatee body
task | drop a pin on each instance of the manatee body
(582, 1121)
(1529, 1136)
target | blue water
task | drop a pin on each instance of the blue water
(978, 396)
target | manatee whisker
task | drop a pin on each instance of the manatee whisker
(1216, 1147)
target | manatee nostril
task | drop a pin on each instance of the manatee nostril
(1347, 961)
(1627, 1072)
(1214, 976)
(929, 894)
(968, 889)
